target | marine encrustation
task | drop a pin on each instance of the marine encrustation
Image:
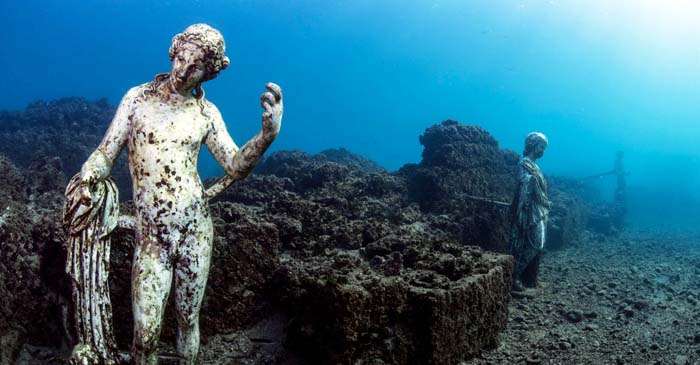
(163, 124)
(529, 214)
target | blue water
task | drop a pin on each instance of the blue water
(595, 76)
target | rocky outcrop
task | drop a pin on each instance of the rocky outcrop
(69, 128)
(362, 273)
(569, 215)
(345, 157)
(458, 160)
(345, 312)
(31, 240)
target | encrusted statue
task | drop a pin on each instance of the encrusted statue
(163, 124)
(529, 213)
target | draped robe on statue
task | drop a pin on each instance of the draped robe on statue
(88, 265)
(529, 213)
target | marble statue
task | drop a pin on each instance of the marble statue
(529, 213)
(163, 124)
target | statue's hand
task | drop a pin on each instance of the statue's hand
(271, 101)
(86, 182)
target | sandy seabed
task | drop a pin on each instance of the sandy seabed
(626, 300)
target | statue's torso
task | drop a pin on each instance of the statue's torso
(533, 188)
(164, 143)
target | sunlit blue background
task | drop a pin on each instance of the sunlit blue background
(595, 76)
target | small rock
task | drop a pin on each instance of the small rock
(680, 360)
(590, 315)
(696, 338)
(628, 311)
(532, 360)
(574, 316)
(640, 304)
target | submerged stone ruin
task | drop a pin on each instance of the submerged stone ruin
(326, 258)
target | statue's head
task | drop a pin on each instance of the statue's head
(535, 144)
(202, 44)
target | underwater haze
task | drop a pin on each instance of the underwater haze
(595, 76)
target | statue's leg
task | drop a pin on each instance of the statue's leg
(151, 278)
(191, 272)
(518, 245)
(529, 275)
(516, 267)
(531, 259)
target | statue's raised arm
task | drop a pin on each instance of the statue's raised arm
(238, 163)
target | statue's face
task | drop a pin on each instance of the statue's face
(535, 149)
(539, 149)
(188, 68)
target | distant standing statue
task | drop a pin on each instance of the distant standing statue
(620, 173)
(163, 123)
(529, 213)
(619, 207)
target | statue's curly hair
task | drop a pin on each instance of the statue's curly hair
(534, 139)
(210, 41)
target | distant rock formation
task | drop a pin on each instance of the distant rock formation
(345, 157)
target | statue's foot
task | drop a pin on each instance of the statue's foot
(84, 354)
(517, 286)
(124, 358)
(530, 285)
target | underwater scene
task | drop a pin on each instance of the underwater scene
(350, 182)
